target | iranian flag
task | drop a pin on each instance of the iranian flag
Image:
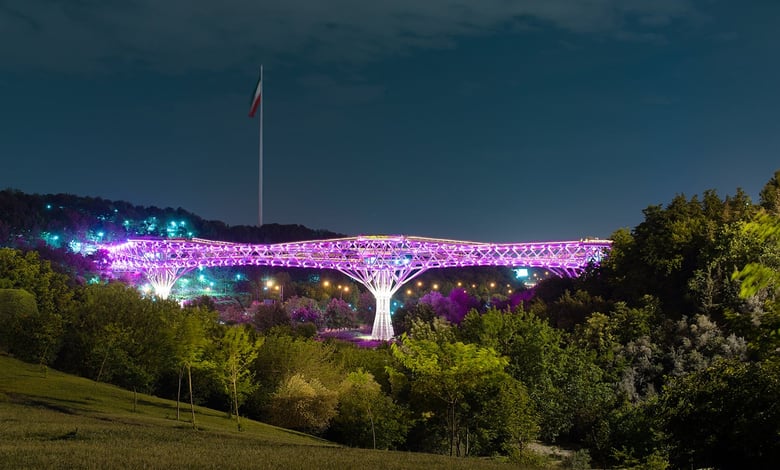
(257, 96)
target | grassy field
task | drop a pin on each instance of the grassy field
(63, 421)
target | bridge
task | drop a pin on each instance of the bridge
(381, 263)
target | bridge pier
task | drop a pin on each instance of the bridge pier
(162, 279)
(383, 326)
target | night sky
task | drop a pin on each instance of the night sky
(487, 120)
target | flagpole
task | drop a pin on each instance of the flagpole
(260, 175)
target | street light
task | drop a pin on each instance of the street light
(277, 287)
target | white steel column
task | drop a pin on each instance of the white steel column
(383, 326)
(163, 279)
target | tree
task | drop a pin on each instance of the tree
(366, 416)
(447, 372)
(770, 195)
(725, 416)
(267, 316)
(236, 353)
(759, 287)
(189, 329)
(119, 336)
(302, 403)
(39, 332)
(303, 310)
(567, 389)
(339, 314)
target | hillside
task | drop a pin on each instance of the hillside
(66, 220)
(58, 420)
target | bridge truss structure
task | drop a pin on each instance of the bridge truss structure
(381, 263)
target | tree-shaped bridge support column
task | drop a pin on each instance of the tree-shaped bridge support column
(383, 326)
(383, 280)
(163, 279)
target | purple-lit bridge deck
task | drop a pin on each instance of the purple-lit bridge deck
(381, 263)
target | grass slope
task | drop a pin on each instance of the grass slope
(63, 421)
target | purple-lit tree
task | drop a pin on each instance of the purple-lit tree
(462, 304)
(303, 310)
(454, 307)
(266, 316)
(365, 308)
(338, 314)
(234, 314)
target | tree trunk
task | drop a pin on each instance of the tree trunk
(178, 393)
(103, 363)
(235, 403)
(373, 431)
(451, 423)
(192, 401)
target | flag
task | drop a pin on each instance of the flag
(257, 96)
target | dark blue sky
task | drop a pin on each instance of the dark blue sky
(488, 120)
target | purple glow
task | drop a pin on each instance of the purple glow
(381, 263)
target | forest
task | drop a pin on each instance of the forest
(666, 355)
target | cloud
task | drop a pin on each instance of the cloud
(185, 35)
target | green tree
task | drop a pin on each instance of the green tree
(24, 331)
(15, 304)
(770, 195)
(39, 332)
(366, 416)
(119, 336)
(725, 416)
(447, 372)
(567, 389)
(190, 341)
(759, 288)
(236, 352)
(302, 404)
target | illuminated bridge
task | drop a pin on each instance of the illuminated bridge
(381, 263)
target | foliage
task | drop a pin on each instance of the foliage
(339, 314)
(303, 310)
(725, 416)
(302, 404)
(366, 416)
(444, 376)
(24, 331)
(119, 336)
(267, 316)
(453, 307)
(236, 352)
(405, 316)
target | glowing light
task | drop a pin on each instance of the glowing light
(435, 287)
(492, 284)
(326, 283)
(521, 273)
